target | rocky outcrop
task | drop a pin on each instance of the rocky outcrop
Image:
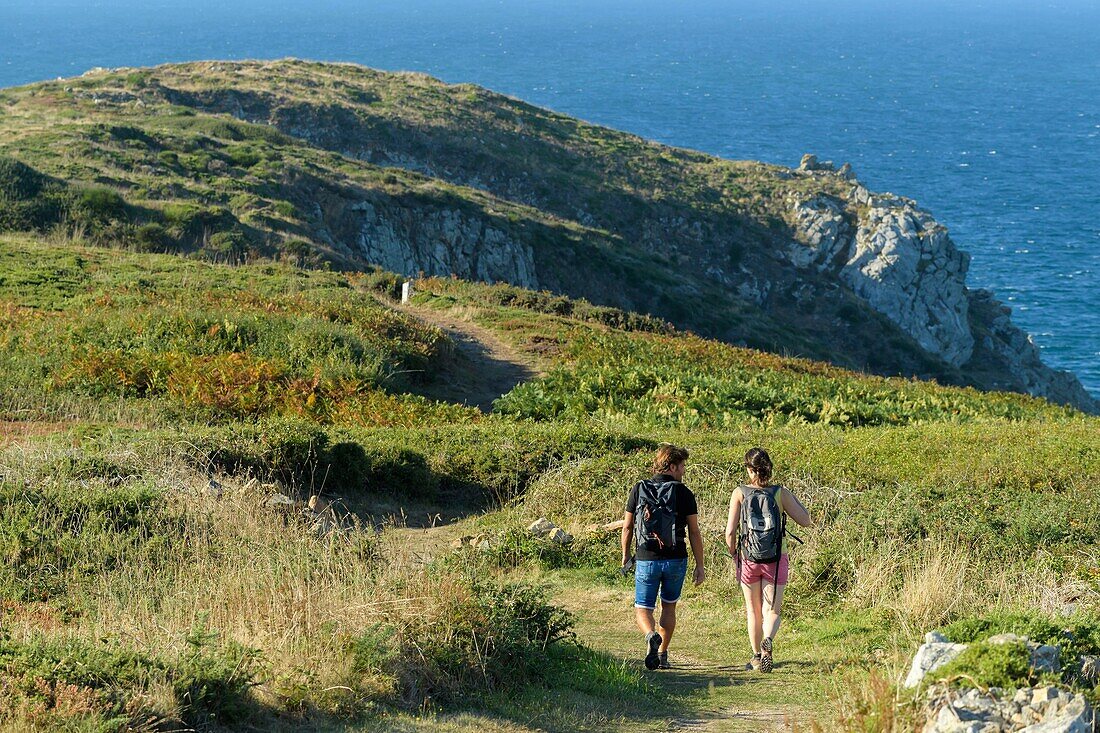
(545, 529)
(937, 651)
(898, 259)
(412, 240)
(1016, 351)
(1029, 710)
(1034, 710)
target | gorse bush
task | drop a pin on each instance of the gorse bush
(493, 637)
(51, 535)
(104, 685)
(1007, 666)
(545, 302)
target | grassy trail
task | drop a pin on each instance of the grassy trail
(483, 367)
(708, 688)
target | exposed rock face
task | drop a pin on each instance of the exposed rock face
(900, 261)
(442, 242)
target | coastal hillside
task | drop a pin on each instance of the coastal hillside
(261, 496)
(335, 165)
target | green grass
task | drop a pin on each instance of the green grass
(126, 390)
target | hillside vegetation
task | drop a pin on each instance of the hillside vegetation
(156, 407)
(339, 165)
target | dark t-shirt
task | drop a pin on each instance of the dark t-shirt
(685, 507)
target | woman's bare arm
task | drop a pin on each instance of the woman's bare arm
(794, 509)
(732, 521)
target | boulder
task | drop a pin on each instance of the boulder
(1044, 657)
(560, 536)
(541, 527)
(280, 501)
(929, 657)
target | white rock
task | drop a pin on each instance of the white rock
(935, 637)
(1075, 717)
(1042, 695)
(930, 657)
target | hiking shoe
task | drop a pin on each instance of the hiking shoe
(754, 664)
(653, 643)
(662, 661)
(766, 663)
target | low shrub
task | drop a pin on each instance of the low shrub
(100, 205)
(495, 638)
(515, 547)
(1007, 666)
(101, 683)
(51, 535)
(1075, 636)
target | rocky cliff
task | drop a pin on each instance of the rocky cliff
(358, 167)
(902, 262)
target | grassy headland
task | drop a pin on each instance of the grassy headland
(339, 165)
(153, 405)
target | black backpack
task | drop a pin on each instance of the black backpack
(655, 516)
(763, 524)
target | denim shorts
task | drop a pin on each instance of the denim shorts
(667, 575)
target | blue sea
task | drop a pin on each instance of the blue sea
(987, 113)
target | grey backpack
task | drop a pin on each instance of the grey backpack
(655, 516)
(763, 524)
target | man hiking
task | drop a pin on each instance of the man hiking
(660, 512)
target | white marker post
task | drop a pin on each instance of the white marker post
(406, 291)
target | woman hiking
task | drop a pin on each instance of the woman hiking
(754, 535)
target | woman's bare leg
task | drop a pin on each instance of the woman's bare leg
(753, 614)
(772, 597)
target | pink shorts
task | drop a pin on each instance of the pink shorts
(753, 572)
